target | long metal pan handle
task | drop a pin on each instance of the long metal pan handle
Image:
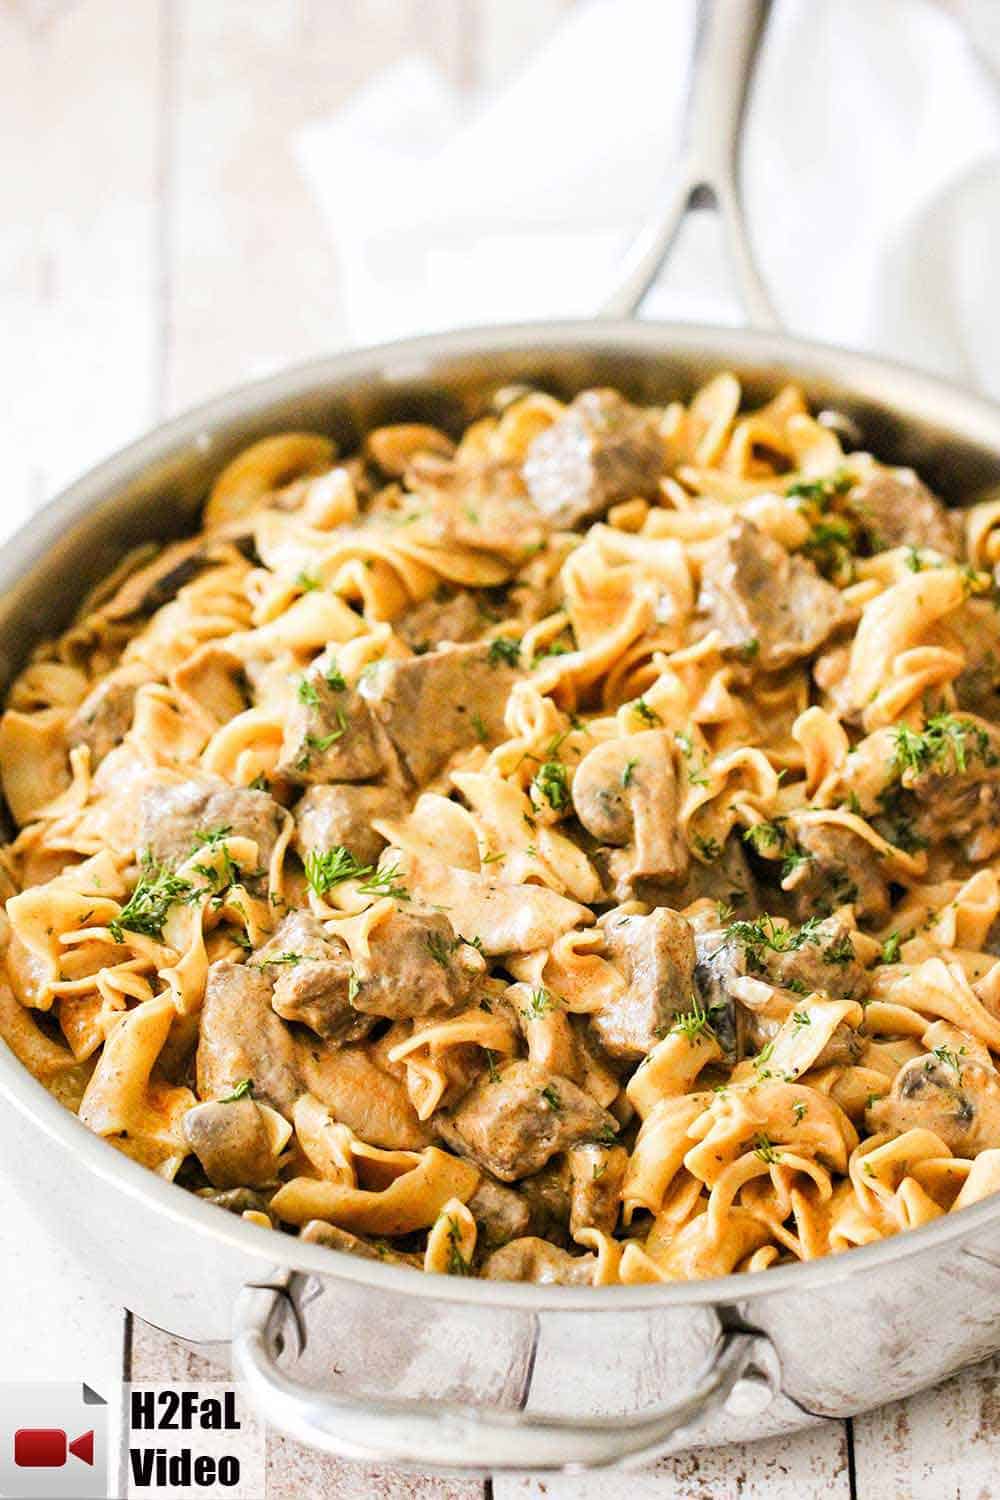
(726, 42)
(427, 1434)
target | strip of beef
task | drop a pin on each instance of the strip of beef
(341, 816)
(500, 1213)
(958, 1100)
(313, 979)
(597, 1173)
(241, 1038)
(482, 506)
(512, 1125)
(600, 451)
(766, 605)
(656, 953)
(897, 510)
(331, 734)
(173, 816)
(105, 716)
(841, 868)
(626, 793)
(434, 705)
(416, 965)
(455, 618)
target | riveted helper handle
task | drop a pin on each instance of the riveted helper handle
(726, 42)
(428, 1434)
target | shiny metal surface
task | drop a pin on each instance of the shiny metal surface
(707, 172)
(846, 1333)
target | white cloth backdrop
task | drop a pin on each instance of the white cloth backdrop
(871, 168)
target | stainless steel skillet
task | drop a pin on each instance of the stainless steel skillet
(376, 1362)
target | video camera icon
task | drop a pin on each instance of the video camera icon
(53, 1441)
(49, 1447)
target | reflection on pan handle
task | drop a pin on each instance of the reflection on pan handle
(707, 172)
(740, 1376)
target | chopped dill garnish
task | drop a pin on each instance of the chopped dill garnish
(441, 948)
(457, 1263)
(552, 783)
(628, 775)
(645, 713)
(505, 650)
(946, 744)
(890, 948)
(950, 1059)
(385, 882)
(210, 838)
(242, 1090)
(765, 1148)
(326, 868)
(146, 909)
(540, 1002)
(551, 1096)
(694, 1022)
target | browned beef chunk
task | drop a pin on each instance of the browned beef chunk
(657, 955)
(626, 793)
(597, 1173)
(600, 451)
(240, 1038)
(434, 705)
(767, 606)
(512, 1125)
(232, 1143)
(330, 735)
(328, 817)
(417, 964)
(455, 618)
(547, 1194)
(312, 978)
(841, 869)
(500, 1213)
(958, 1100)
(481, 506)
(173, 817)
(897, 510)
(531, 1259)
(958, 793)
(105, 715)
(824, 960)
(726, 878)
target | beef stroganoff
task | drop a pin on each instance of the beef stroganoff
(568, 855)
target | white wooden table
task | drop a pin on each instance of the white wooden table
(150, 206)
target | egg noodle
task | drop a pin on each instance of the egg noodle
(570, 855)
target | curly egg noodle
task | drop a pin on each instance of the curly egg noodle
(568, 855)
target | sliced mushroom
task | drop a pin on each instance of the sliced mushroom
(238, 1142)
(957, 1099)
